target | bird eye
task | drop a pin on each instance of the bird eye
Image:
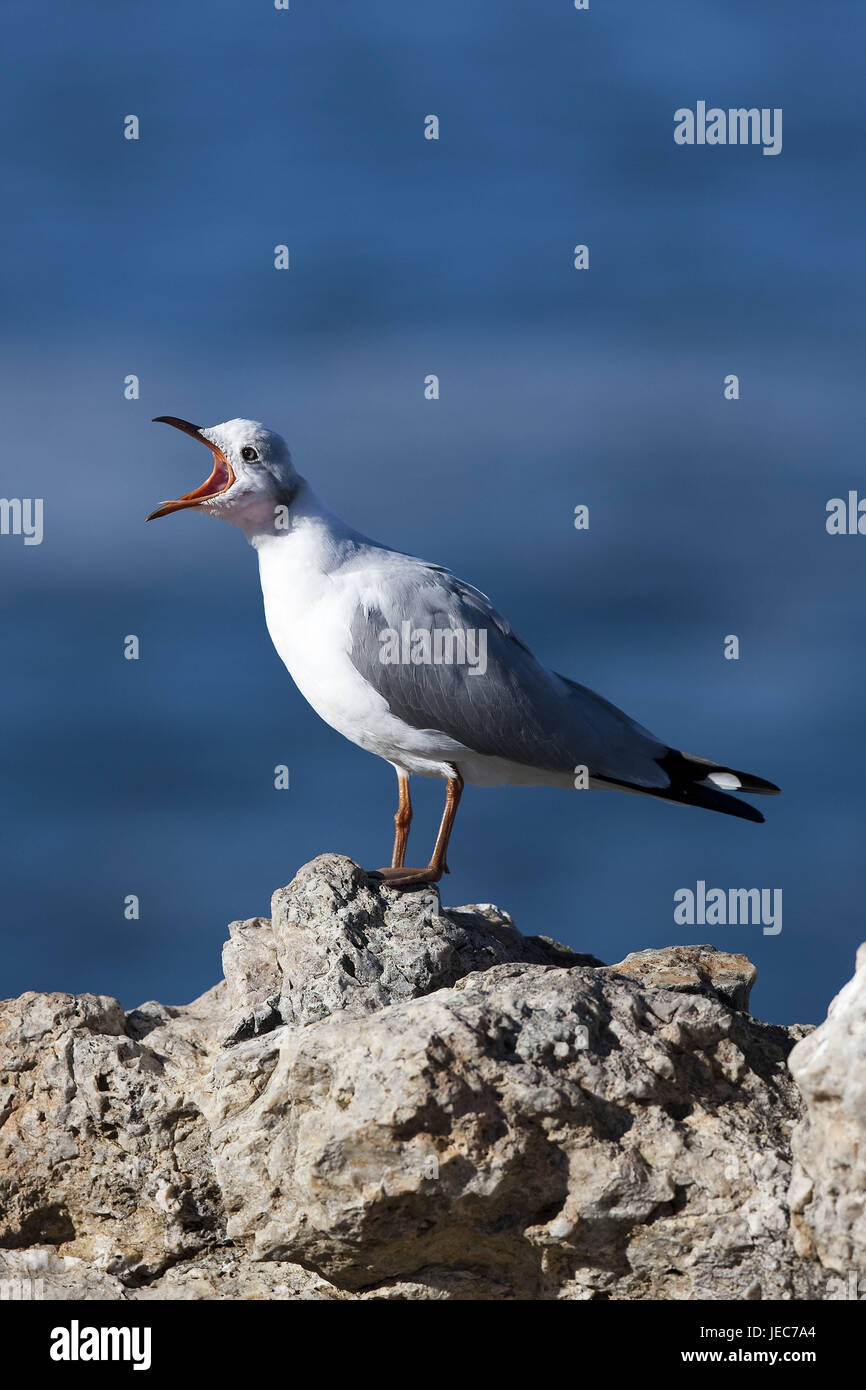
(248, 453)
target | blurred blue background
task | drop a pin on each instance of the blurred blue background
(604, 387)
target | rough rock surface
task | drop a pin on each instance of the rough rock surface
(388, 1099)
(828, 1190)
(337, 943)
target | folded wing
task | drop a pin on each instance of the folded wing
(503, 703)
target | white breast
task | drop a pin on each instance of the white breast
(309, 607)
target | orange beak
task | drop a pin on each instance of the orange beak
(219, 481)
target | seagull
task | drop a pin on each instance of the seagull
(415, 665)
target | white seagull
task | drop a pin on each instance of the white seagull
(415, 665)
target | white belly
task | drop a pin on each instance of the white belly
(309, 616)
(310, 633)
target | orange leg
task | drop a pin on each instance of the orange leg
(402, 822)
(398, 876)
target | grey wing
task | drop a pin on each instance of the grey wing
(506, 706)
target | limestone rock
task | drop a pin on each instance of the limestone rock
(220, 1273)
(828, 1191)
(103, 1147)
(538, 1131)
(338, 941)
(388, 1099)
(693, 970)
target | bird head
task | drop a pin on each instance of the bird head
(252, 472)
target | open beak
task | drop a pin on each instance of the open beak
(219, 481)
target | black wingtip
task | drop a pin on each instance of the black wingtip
(759, 785)
(690, 785)
(711, 800)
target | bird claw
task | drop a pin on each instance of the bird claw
(406, 878)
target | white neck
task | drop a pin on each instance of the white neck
(310, 536)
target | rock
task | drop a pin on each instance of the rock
(693, 970)
(541, 1131)
(337, 941)
(40, 1273)
(104, 1150)
(220, 1273)
(828, 1190)
(389, 1099)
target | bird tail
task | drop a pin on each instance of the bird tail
(698, 782)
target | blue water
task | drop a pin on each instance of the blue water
(258, 127)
